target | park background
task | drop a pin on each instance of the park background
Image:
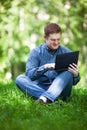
(21, 29)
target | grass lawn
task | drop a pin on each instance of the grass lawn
(20, 112)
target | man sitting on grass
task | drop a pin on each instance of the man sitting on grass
(41, 80)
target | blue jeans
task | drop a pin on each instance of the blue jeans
(60, 87)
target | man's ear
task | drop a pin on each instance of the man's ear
(45, 37)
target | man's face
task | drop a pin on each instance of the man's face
(53, 41)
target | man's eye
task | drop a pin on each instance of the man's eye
(52, 39)
(55, 39)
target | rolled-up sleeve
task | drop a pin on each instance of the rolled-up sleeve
(76, 79)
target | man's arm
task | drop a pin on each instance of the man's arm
(76, 79)
(33, 68)
(74, 69)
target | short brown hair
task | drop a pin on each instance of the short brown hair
(52, 28)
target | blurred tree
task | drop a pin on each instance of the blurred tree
(21, 29)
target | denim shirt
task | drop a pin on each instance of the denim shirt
(40, 56)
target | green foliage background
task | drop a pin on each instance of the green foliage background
(21, 28)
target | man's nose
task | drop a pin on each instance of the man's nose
(56, 41)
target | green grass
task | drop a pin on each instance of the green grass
(20, 112)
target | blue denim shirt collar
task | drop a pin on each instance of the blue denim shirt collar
(49, 50)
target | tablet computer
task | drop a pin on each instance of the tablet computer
(63, 60)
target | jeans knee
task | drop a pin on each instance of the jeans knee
(69, 75)
(18, 79)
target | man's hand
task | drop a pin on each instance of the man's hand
(74, 69)
(50, 66)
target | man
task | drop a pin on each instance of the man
(41, 80)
